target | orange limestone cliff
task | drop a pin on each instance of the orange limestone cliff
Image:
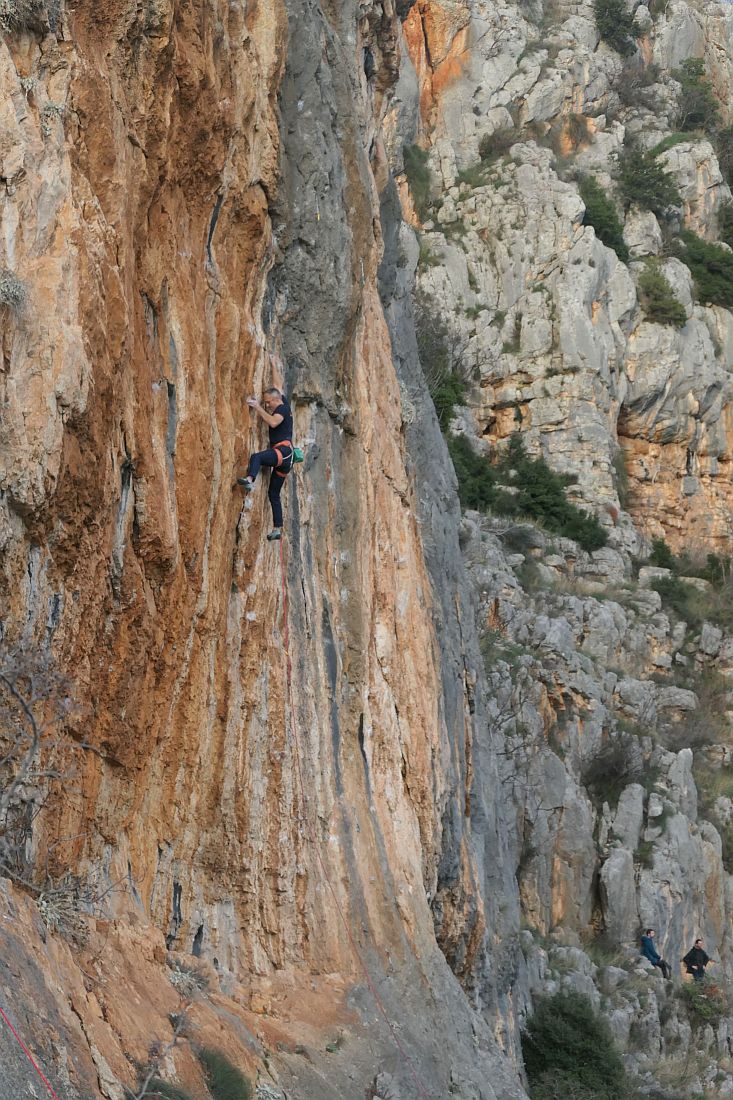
(180, 886)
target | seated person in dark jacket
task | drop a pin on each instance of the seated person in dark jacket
(649, 951)
(696, 960)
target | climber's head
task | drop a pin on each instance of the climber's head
(271, 399)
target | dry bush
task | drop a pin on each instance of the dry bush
(12, 290)
(38, 754)
(20, 15)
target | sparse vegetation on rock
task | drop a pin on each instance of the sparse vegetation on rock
(725, 222)
(601, 213)
(705, 1002)
(645, 181)
(418, 178)
(658, 300)
(19, 15)
(12, 290)
(569, 1053)
(698, 107)
(493, 146)
(711, 267)
(223, 1080)
(613, 767)
(724, 152)
(516, 484)
(615, 25)
(441, 368)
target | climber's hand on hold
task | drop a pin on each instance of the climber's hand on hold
(253, 403)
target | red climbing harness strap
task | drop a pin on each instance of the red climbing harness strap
(29, 1056)
(314, 840)
(280, 458)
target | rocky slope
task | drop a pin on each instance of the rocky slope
(196, 193)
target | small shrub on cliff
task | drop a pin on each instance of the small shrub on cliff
(477, 483)
(646, 182)
(19, 15)
(12, 290)
(601, 214)
(541, 495)
(698, 108)
(697, 607)
(473, 176)
(621, 478)
(418, 178)
(635, 85)
(679, 597)
(707, 724)
(614, 766)
(569, 1053)
(577, 128)
(518, 485)
(438, 358)
(724, 152)
(706, 1003)
(493, 146)
(716, 568)
(661, 555)
(725, 222)
(711, 267)
(644, 854)
(223, 1080)
(427, 258)
(669, 142)
(615, 25)
(658, 300)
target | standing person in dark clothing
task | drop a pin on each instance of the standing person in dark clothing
(696, 960)
(276, 413)
(649, 951)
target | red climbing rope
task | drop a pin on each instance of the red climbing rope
(314, 840)
(30, 1057)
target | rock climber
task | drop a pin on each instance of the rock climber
(696, 960)
(276, 413)
(650, 952)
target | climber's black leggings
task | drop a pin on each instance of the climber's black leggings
(270, 458)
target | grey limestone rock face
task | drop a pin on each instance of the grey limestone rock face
(619, 889)
(629, 817)
(548, 324)
(642, 233)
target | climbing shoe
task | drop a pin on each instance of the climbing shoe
(246, 483)
(275, 535)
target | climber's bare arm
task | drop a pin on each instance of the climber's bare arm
(271, 419)
(277, 375)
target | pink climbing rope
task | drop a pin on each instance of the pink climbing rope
(30, 1057)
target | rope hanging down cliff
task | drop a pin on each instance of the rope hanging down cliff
(30, 1057)
(317, 849)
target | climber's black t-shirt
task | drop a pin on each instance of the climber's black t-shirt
(283, 430)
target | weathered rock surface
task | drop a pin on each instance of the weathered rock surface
(494, 746)
(546, 318)
(217, 817)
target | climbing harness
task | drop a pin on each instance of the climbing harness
(29, 1056)
(316, 847)
(283, 459)
(296, 455)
